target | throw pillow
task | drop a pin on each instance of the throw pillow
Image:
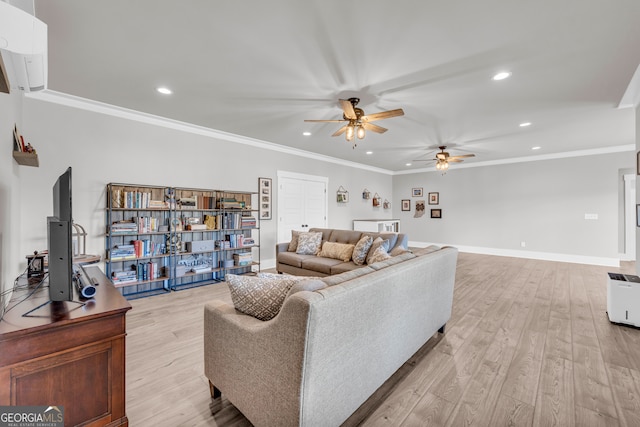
(361, 249)
(341, 251)
(293, 244)
(259, 297)
(379, 254)
(398, 250)
(378, 242)
(309, 243)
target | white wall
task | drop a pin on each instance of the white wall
(493, 209)
(103, 148)
(10, 173)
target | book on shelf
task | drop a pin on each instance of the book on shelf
(242, 259)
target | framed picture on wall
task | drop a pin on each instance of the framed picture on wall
(265, 197)
(406, 204)
(434, 198)
(436, 213)
(416, 192)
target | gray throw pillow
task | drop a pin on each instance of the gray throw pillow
(359, 255)
(293, 244)
(378, 242)
(309, 243)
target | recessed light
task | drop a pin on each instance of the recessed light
(536, 148)
(408, 164)
(306, 133)
(164, 90)
(525, 124)
(502, 75)
(369, 152)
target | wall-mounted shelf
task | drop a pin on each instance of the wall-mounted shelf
(26, 159)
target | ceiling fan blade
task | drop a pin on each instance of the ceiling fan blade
(340, 131)
(423, 160)
(347, 107)
(373, 128)
(462, 156)
(454, 160)
(382, 115)
(325, 121)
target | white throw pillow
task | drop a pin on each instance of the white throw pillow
(377, 243)
(380, 254)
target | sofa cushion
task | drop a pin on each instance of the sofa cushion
(377, 242)
(259, 297)
(361, 250)
(348, 275)
(293, 244)
(293, 259)
(341, 251)
(345, 266)
(427, 250)
(345, 236)
(302, 283)
(319, 264)
(392, 261)
(309, 243)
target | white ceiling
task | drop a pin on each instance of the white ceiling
(259, 68)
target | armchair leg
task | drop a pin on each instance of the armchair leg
(215, 393)
(441, 330)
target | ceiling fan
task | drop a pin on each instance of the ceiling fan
(443, 158)
(357, 121)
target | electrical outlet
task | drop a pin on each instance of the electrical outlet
(523, 244)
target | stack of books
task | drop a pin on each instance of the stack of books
(229, 203)
(148, 271)
(223, 244)
(146, 248)
(122, 252)
(248, 222)
(124, 227)
(122, 277)
(242, 259)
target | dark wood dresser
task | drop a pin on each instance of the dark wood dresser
(67, 355)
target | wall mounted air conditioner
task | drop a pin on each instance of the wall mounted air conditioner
(23, 50)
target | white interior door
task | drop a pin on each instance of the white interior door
(629, 217)
(302, 203)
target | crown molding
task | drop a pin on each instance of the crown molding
(631, 97)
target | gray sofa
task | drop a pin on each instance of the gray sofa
(312, 265)
(334, 342)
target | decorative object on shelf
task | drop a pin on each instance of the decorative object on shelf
(342, 195)
(434, 198)
(386, 204)
(377, 200)
(366, 194)
(406, 204)
(264, 190)
(419, 209)
(35, 265)
(416, 192)
(436, 213)
(23, 153)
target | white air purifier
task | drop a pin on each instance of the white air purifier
(623, 299)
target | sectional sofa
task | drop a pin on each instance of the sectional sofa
(333, 343)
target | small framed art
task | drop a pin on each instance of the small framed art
(436, 213)
(406, 204)
(264, 191)
(434, 198)
(416, 192)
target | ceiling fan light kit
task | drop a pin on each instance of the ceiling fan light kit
(357, 121)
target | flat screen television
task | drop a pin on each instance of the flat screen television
(59, 241)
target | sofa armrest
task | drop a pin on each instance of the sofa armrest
(245, 357)
(282, 247)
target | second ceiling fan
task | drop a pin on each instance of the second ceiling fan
(357, 121)
(443, 158)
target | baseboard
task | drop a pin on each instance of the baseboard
(544, 256)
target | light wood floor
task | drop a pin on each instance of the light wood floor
(529, 343)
